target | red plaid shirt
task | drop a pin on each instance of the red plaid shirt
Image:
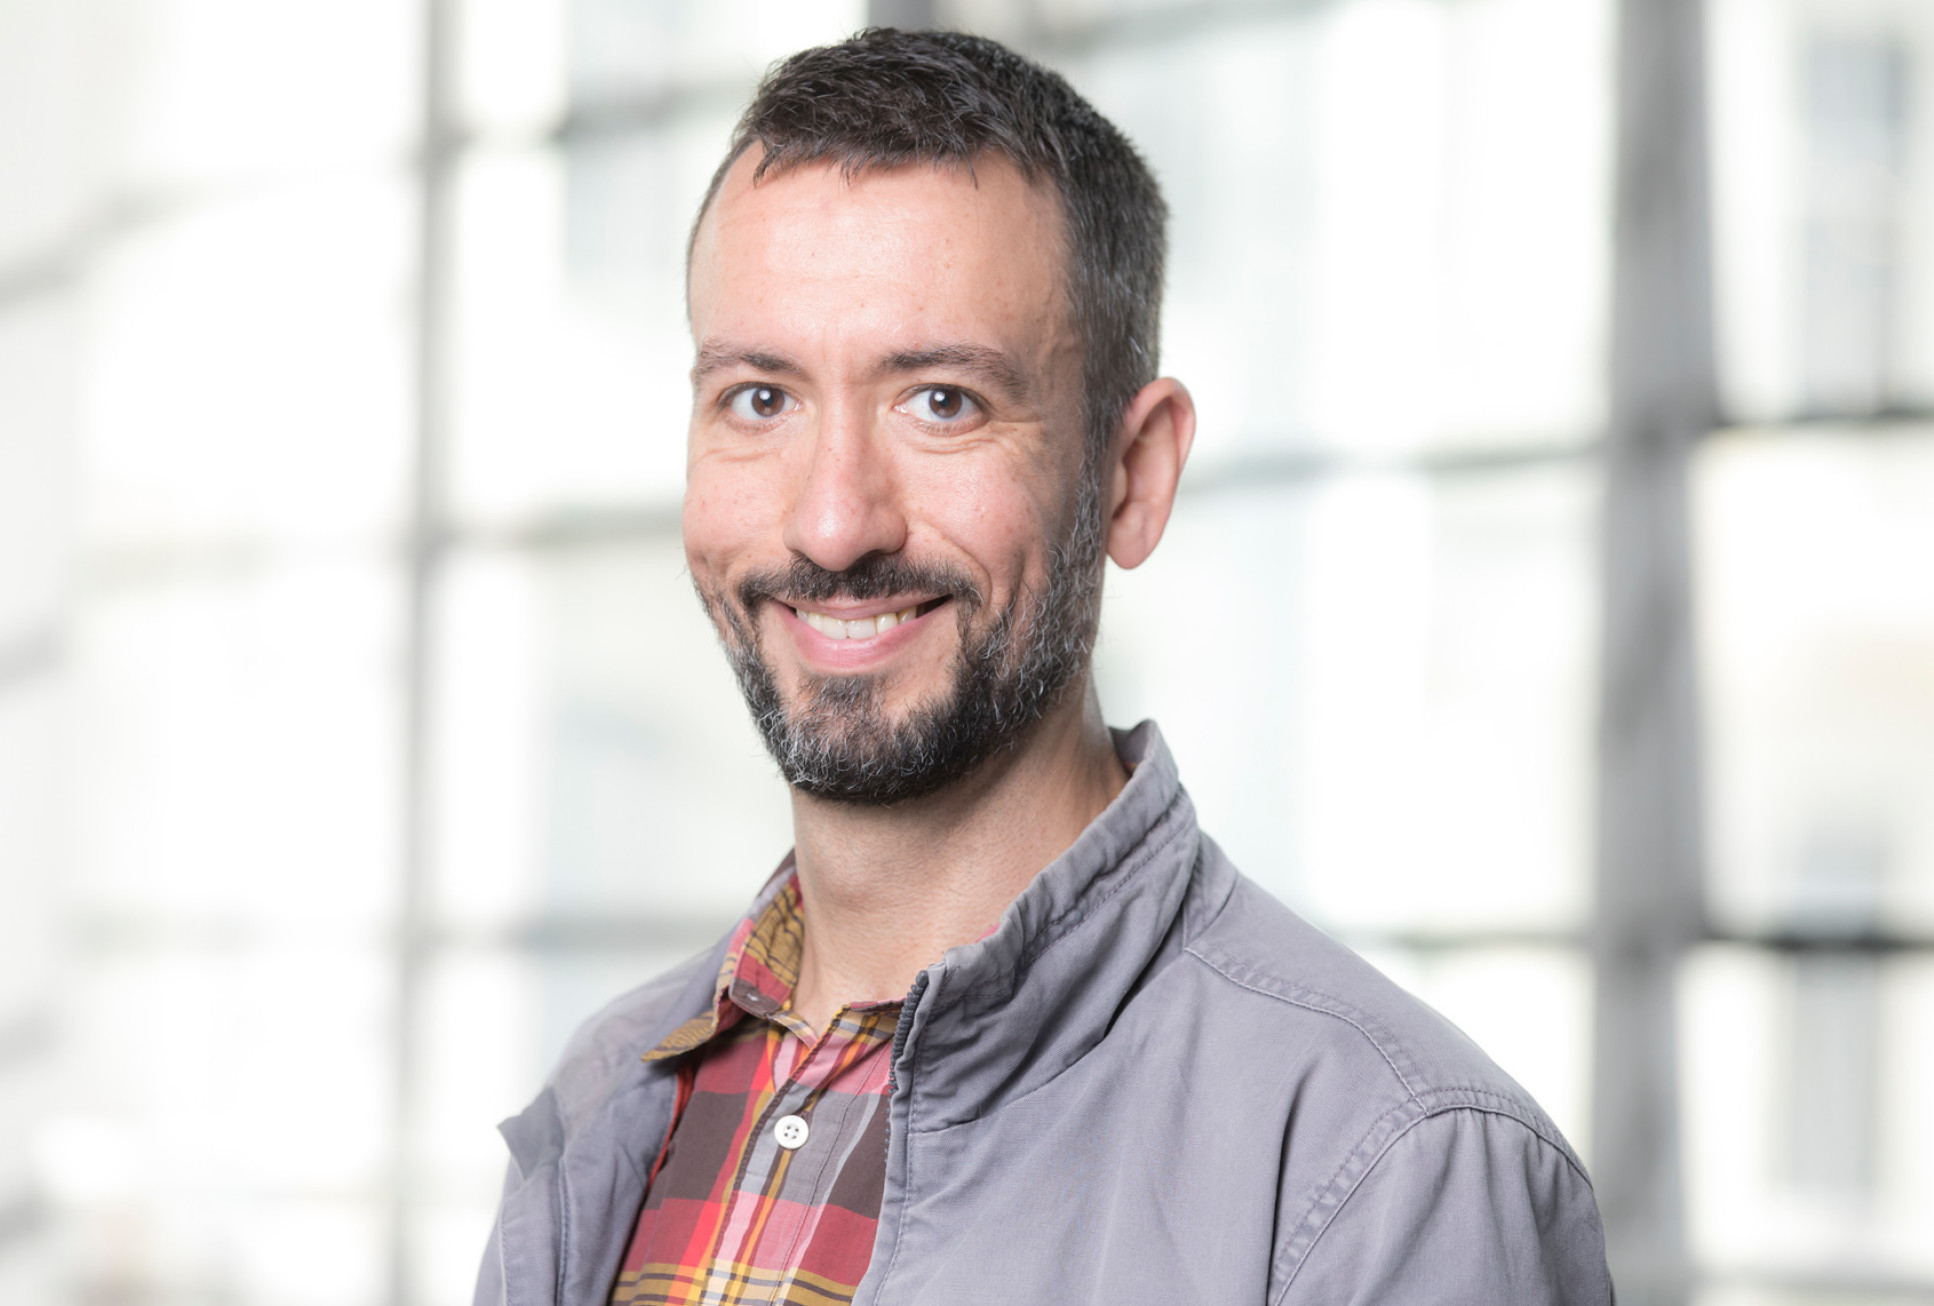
(768, 1186)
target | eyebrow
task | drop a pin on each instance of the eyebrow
(992, 365)
(718, 358)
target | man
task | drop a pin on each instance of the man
(1005, 1026)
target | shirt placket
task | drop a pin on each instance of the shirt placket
(812, 1069)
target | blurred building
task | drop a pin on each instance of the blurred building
(1550, 611)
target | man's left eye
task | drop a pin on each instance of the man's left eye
(940, 404)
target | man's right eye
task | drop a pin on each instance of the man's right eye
(759, 403)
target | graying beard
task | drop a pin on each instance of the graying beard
(836, 745)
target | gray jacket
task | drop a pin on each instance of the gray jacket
(1152, 1083)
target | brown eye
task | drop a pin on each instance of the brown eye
(760, 402)
(940, 404)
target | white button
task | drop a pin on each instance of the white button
(791, 1132)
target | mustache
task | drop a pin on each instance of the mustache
(876, 576)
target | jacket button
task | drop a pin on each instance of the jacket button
(791, 1132)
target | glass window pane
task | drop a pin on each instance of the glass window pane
(28, 1272)
(1795, 1069)
(572, 350)
(39, 346)
(50, 64)
(1388, 225)
(1396, 733)
(248, 371)
(234, 89)
(624, 49)
(479, 1057)
(33, 964)
(512, 62)
(33, 857)
(225, 1115)
(1823, 172)
(341, 1243)
(1817, 635)
(1826, 1295)
(593, 753)
(445, 1247)
(238, 747)
(196, 1249)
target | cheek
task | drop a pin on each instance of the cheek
(995, 516)
(722, 521)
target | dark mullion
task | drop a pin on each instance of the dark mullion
(1802, 943)
(1662, 398)
(1907, 421)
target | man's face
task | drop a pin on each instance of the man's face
(886, 510)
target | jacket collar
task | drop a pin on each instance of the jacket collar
(1002, 1015)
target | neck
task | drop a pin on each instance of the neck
(889, 889)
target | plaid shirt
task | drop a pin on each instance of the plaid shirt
(739, 1209)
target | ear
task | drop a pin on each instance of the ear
(1147, 456)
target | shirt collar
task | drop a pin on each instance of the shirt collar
(757, 974)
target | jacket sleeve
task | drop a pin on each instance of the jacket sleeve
(1466, 1208)
(490, 1274)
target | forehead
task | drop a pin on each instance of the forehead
(906, 252)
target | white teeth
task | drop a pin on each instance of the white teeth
(865, 628)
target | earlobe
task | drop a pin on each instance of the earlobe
(1157, 431)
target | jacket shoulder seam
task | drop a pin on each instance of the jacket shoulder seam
(1449, 1098)
(1341, 1186)
(1433, 1098)
(1325, 1004)
(1344, 1184)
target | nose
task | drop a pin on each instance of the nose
(846, 504)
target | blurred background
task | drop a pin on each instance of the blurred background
(1549, 612)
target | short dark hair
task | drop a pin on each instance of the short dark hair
(886, 98)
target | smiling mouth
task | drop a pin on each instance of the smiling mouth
(865, 627)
